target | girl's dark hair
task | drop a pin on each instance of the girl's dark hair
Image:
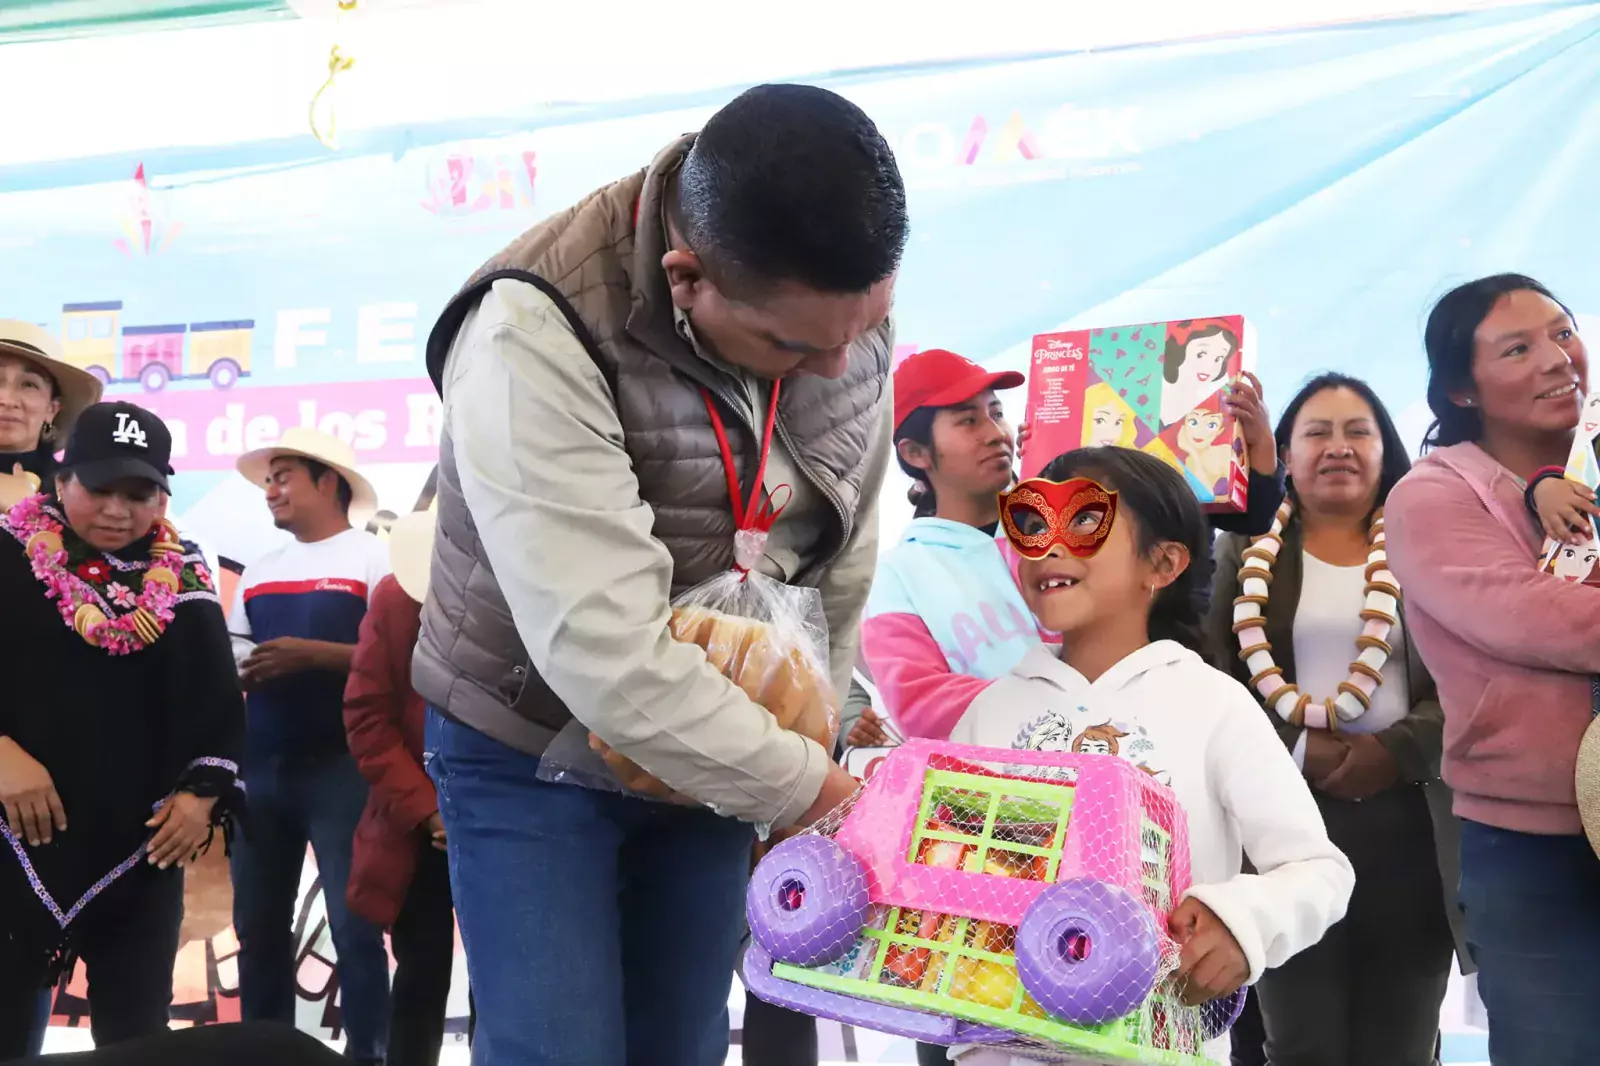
(1174, 355)
(1396, 463)
(918, 428)
(1164, 509)
(1448, 338)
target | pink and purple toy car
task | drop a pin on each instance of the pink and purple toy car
(979, 896)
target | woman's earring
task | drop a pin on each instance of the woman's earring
(47, 431)
(1467, 402)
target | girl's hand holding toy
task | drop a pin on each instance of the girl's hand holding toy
(1212, 964)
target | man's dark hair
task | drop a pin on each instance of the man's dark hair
(792, 183)
(316, 470)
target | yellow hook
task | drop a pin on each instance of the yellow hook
(338, 63)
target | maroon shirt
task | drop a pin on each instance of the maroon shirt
(384, 717)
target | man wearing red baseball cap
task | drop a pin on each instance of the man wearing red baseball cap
(937, 378)
(945, 616)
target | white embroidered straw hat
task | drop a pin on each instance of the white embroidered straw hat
(326, 449)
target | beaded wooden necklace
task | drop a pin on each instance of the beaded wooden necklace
(1379, 612)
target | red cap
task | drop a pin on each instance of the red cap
(937, 378)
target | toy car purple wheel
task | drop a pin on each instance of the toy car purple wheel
(807, 901)
(1219, 1015)
(1087, 951)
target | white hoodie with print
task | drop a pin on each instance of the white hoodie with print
(1200, 732)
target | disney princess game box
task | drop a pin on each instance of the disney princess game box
(1157, 387)
(1579, 563)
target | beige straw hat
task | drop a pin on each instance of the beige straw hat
(1588, 782)
(326, 449)
(411, 551)
(77, 388)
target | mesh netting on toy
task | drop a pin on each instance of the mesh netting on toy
(978, 896)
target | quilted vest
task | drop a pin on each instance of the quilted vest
(599, 263)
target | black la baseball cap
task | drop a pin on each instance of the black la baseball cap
(112, 441)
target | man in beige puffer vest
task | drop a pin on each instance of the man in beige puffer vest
(582, 485)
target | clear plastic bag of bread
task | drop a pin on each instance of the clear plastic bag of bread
(768, 638)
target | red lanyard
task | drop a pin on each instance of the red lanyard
(759, 513)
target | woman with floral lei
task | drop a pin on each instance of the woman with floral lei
(1309, 617)
(119, 723)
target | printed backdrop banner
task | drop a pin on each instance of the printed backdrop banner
(1324, 183)
(1327, 184)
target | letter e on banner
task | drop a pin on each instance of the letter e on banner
(385, 333)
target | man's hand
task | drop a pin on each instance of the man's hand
(1024, 431)
(837, 787)
(33, 808)
(182, 825)
(435, 829)
(1367, 770)
(868, 731)
(277, 658)
(1212, 963)
(1325, 751)
(1242, 400)
(1566, 510)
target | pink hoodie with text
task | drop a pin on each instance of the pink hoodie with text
(1512, 649)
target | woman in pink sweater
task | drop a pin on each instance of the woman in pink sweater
(1513, 652)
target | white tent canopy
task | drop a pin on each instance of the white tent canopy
(434, 60)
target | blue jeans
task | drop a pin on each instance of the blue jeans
(294, 801)
(1533, 927)
(600, 930)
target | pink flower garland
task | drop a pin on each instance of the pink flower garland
(116, 636)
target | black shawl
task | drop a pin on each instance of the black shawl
(118, 734)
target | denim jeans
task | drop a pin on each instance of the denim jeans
(600, 929)
(294, 801)
(1533, 927)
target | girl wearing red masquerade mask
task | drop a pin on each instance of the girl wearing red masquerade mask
(1038, 515)
(1107, 536)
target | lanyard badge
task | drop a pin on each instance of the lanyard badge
(754, 519)
(1076, 514)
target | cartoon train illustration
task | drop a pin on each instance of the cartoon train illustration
(92, 336)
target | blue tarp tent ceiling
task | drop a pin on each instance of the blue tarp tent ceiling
(34, 20)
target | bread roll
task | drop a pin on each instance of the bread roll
(779, 676)
(691, 625)
(727, 642)
(635, 777)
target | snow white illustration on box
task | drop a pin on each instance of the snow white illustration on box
(1591, 415)
(1194, 364)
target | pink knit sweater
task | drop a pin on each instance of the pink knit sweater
(1512, 649)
